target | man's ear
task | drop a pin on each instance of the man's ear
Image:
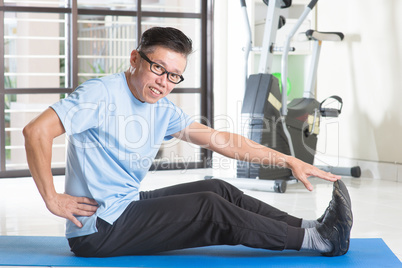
(134, 58)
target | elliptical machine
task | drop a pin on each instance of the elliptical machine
(266, 116)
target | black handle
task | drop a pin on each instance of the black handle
(329, 111)
(312, 4)
(243, 3)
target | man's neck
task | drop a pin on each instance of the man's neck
(133, 91)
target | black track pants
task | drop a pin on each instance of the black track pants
(202, 213)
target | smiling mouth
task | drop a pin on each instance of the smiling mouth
(154, 90)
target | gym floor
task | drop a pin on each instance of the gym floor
(377, 204)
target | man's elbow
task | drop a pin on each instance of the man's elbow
(31, 131)
(45, 127)
(26, 131)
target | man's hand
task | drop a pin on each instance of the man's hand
(68, 207)
(302, 171)
(39, 135)
(240, 148)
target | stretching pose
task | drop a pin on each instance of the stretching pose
(115, 126)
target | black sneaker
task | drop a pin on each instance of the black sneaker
(338, 220)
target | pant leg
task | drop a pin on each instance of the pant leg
(228, 192)
(184, 221)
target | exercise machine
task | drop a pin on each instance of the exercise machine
(267, 117)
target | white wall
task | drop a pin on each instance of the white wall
(364, 69)
(229, 77)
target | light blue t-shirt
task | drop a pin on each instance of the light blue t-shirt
(113, 139)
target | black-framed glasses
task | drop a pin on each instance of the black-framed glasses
(160, 70)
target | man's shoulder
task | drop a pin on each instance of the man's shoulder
(112, 77)
(109, 79)
(98, 86)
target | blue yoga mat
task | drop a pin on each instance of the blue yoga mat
(54, 251)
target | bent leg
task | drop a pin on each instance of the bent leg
(184, 221)
(229, 193)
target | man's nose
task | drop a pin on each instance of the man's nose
(162, 79)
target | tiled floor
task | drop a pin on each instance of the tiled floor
(377, 204)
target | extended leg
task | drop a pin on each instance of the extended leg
(184, 221)
(229, 193)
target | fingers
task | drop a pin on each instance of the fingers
(306, 183)
(82, 213)
(320, 174)
(88, 208)
(326, 175)
(75, 221)
(69, 207)
(304, 171)
(85, 206)
(86, 200)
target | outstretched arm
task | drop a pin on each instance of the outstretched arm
(39, 135)
(240, 148)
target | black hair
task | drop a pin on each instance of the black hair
(167, 37)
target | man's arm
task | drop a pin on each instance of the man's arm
(240, 148)
(39, 135)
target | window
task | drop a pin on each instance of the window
(49, 47)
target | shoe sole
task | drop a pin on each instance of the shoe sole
(340, 185)
(341, 246)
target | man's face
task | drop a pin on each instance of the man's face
(148, 86)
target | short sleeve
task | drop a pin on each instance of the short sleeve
(178, 121)
(82, 109)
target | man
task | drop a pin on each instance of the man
(115, 123)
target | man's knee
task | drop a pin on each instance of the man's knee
(226, 190)
(208, 195)
(208, 200)
(221, 184)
